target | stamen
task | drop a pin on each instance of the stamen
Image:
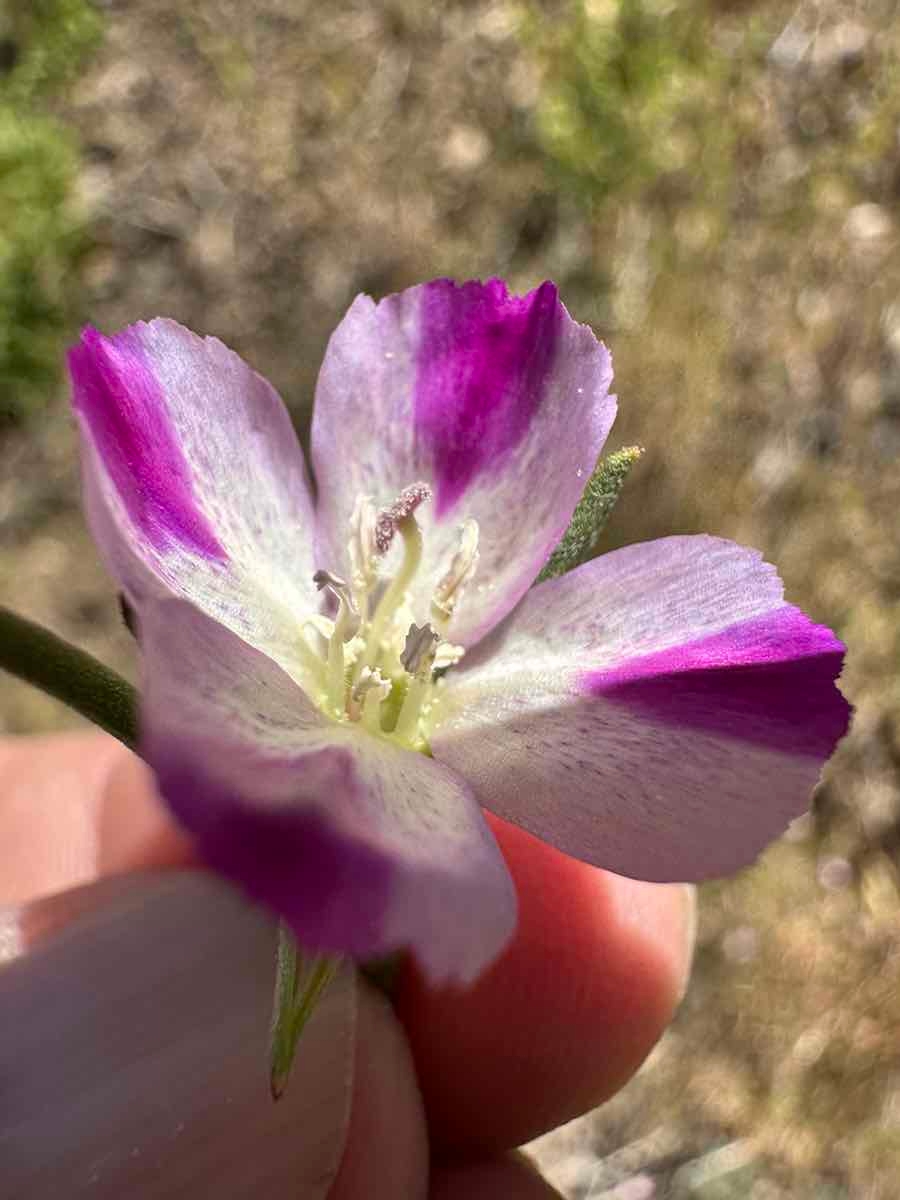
(448, 592)
(418, 659)
(347, 623)
(366, 698)
(391, 519)
(363, 549)
(346, 627)
(320, 624)
(368, 678)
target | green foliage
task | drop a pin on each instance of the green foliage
(593, 510)
(40, 240)
(627, 90)
(52, 38)
(41, 234)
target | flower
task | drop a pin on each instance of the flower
(333, 688)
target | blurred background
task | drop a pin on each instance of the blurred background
(715, 186)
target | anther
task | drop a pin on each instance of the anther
(347, 622)
(449, 590)
(391, 518)
(419, 650)
(447, 655)
(334, 583)
(367, 695)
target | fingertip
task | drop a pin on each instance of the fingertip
(567, 1014)
(74, 808)
(134, 829)
(386, 1151)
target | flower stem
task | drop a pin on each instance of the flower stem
(69, 674)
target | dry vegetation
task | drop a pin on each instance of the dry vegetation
(717, 189)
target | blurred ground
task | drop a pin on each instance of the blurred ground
(716, 188)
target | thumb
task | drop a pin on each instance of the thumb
(133, 1059)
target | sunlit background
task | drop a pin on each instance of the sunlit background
(716, 189)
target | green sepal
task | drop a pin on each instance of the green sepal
(593, 510)
(299, 986)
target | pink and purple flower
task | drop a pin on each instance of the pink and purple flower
(335, 685)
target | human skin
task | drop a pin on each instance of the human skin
(446, 1082)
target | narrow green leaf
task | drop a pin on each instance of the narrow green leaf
(592, 512)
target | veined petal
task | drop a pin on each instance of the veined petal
(499, 402)
(194, 482)
(363, 847)
(660, 711)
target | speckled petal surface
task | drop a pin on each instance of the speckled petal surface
(363, 847)
(660, 711)
(500, 403)
(195, 484)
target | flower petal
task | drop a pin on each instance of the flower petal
(363, 847)
(194, 482)
(660, 711)
(499, 402)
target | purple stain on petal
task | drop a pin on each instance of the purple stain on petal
(769, 680)
(288, 857)
(482, 364)
(121, 400)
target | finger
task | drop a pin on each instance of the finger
(75, 807)
(133, 1057)
(509, 1178)
(80, 807)
(386, 1154)
(582, 1022)
(569, 1012)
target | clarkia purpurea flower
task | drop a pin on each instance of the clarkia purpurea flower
(333, 687)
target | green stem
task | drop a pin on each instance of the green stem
(72, 676)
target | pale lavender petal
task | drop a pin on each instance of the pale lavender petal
(363, 847)
(660, 711)
(194, 482)
(499, 402)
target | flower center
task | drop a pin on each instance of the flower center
(381, 669)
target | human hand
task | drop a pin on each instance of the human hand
(134, 1004)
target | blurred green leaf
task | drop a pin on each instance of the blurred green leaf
(50, 40)
(627, 84)
(42, 236)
